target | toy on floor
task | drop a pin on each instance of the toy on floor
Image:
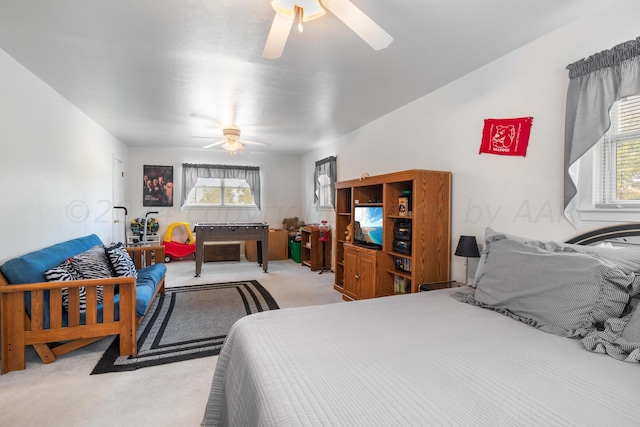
(293, 226)
(173, 249)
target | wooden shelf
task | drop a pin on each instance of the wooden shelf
(311, 248)
(406, 274)
(428, 226)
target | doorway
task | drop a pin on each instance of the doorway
(119, 226)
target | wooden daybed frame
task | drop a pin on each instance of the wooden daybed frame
(19, 330)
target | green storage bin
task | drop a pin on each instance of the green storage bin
(294, 251)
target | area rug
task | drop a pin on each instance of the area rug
(188, 322)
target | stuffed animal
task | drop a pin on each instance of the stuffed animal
(292, 225)
(349, 233)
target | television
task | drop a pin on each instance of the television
(367, 228)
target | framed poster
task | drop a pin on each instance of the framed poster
(157, 185)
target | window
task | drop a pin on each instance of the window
(324, 192)
(220, 186)
(617, 158)
(220, 192)
(324, 183)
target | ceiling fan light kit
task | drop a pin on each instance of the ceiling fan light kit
(233, 146)
(231, 141)
(311, 9)
(307, 10)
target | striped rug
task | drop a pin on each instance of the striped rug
(188, 322)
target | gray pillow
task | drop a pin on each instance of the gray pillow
(627, 258)
(620, 338)
(92, 263)
(564, 293)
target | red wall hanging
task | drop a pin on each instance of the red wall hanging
(506, 137)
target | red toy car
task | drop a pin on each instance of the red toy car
(173, 249)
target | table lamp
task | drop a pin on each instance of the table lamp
(468, 248)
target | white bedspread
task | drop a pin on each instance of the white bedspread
(413, 360)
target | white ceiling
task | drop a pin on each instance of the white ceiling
(156, 72)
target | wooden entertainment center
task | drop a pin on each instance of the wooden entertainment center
(364, 272)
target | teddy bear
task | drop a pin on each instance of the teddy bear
(292, 225)
(348, 234)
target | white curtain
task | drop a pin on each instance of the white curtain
(326, 166)
(596, 83)
(191, 173)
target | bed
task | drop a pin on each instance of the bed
(452, 356)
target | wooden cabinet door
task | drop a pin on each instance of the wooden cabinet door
(368, 274)
(351, 267)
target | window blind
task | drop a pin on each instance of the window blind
(617, 159)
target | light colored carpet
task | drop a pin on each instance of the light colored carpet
(64, 394)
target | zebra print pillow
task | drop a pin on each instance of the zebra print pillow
(120, 261)
(65, 272)
(62, 273)
(92, 263)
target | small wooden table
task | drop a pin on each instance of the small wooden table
(230, 231)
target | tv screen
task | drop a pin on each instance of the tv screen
(368, 225)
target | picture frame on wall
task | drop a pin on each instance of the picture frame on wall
(157, 186)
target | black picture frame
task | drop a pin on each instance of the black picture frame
(157, 186)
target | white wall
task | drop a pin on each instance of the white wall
(55, 162)
(442, 131)
(281, 186)
(55, 166)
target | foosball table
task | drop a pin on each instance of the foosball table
(230, 231)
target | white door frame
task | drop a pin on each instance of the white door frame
(118, 229)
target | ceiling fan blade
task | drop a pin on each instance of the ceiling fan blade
(212, 144)
(264, 144)
(360, 23)
(278, 36)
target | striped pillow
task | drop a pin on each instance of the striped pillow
(92, 263)
(120, 262)
(565, 293)
(627, 258)
(65, 272)
(620, 338)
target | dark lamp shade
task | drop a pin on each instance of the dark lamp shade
(468, 247)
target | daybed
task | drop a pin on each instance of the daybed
(509, 352)
(31, 308)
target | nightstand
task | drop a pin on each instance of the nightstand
(429, 286)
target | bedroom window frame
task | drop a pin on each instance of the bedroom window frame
(193, 175)
(324, 192)
(613, 173)
(324, 179)
(224, 187)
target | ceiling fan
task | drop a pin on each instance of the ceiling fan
(306, 10)
(231, 141)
